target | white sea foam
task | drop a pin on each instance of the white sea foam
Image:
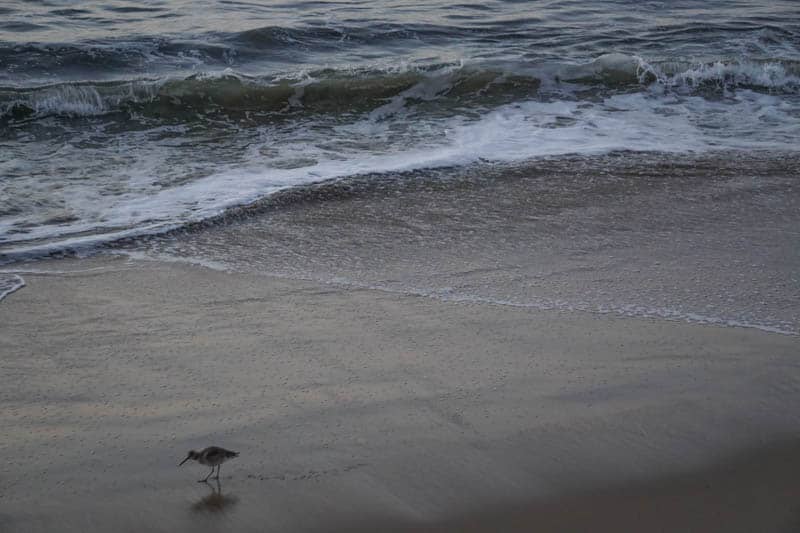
(770, 75)
(447, 294)
(641, 121)
(54, 271)
(10, 283)
(136, 255)
(566, 305)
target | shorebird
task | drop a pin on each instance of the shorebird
(212, 456)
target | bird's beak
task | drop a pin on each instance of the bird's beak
(187, 458)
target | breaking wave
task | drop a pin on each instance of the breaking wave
(622, 69)
(338, 91)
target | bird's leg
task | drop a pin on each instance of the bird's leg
(218, 467)
(208, 476)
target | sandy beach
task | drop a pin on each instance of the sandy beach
(482, 266)
(370, 410)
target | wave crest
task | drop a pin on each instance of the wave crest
(382, 91)
(622, 69)
(321, 92)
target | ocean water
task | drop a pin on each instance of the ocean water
(457, 150)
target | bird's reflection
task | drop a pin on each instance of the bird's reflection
(216, 502)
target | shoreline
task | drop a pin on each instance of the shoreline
(352, 404)
(659, 314)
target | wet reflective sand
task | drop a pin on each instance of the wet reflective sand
(356, 407)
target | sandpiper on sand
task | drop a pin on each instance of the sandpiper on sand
(212, 456)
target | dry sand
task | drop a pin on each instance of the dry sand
(373, 411)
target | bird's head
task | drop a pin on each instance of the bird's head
(191, 455)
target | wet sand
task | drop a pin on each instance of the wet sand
(369, 410)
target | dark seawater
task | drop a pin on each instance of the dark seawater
(611, 156)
